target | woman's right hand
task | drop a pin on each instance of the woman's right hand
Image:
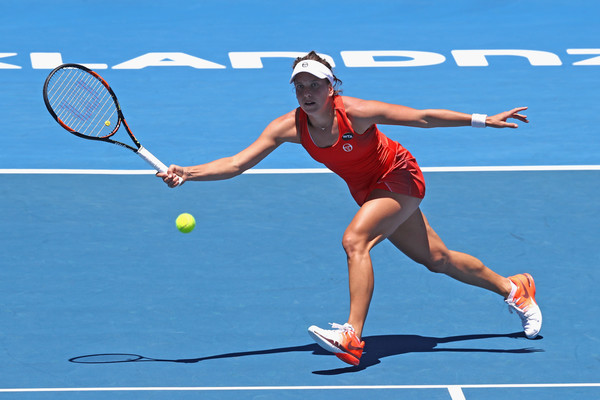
(175, 176)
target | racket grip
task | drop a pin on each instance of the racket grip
(152, 160)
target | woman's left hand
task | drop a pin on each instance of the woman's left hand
(499, 120)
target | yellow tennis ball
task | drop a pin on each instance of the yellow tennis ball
(107, 123)
(185, 223)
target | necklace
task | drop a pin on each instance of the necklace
(328, 125)
(316, 126)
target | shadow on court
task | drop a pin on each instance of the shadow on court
(377, 347)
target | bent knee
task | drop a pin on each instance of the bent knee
(354, 244)
(438, 262)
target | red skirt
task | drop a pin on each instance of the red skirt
(405, 177)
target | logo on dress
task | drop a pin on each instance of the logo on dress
(347, 147)
(347, 136)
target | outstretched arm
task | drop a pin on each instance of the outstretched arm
(446, 118)
(365, 113)
(281, 130)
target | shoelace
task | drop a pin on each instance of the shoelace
(523, 312)
(344, 328)
(515, 303)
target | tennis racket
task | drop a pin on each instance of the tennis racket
(83, 103)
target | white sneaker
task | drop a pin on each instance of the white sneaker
(522, 301)
(341, 340)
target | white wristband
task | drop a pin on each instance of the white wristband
(478, 120)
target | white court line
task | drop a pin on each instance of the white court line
(506, 168)
(456, 393)
(453, 389)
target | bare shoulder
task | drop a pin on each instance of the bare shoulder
(361, 108)
(353, 105)
(365, 111)
(362, 113)
(368, 112)
(283, 128)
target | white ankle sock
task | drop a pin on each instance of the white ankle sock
(512, 291)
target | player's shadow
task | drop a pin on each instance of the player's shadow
(377, 347)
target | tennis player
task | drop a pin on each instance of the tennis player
(385, 180)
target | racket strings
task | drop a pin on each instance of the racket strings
(83, 103)
(81, 99)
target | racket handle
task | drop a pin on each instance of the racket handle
(152, 160)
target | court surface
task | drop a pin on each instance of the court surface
(102, 298)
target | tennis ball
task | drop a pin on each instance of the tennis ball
(107, 123)
(185, 223)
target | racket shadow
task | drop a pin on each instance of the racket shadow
(377, 347)
(112, 358)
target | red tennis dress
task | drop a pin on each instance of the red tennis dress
(365, 161)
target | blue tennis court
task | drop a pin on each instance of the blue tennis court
(102, 298)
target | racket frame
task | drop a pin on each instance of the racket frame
(139, 149)
(120, 117)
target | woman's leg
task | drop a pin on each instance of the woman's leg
(418, 240)
(398, 218)
(379, 217)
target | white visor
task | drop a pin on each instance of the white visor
(314, 68)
